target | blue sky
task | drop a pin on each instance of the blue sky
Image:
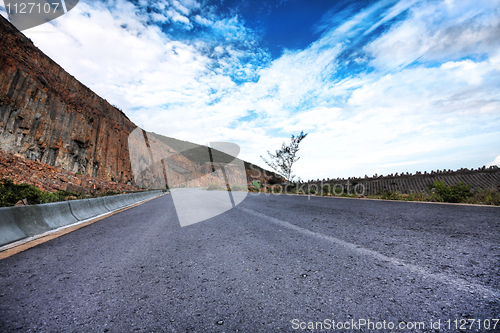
(380, 86)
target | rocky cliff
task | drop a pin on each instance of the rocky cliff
(48, 115)
(157, 159)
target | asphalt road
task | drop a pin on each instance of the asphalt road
(272, 264)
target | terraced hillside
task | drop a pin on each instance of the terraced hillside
(481, 178)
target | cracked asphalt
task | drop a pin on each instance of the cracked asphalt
(260, 266)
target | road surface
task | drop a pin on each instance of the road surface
(272, 264)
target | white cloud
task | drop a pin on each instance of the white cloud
(3, 11)
(177, 17)
(183, 10)
(393, 119)
(417, 114)
(202, 20)
(435, 31)
(391, 13)
(190, 4)
(496, 162)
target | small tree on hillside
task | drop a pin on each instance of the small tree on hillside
(283, 160)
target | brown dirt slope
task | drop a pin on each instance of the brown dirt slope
(51, 179)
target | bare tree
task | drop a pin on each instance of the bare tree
(283, 160)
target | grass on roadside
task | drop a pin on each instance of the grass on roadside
(11, 193)
(440, 192)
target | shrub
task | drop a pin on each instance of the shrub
(338, 189)
(253, 189)
(388, 195)
(277, 189)
(256, 183)
(455, 193)
(111, 192)
(237, 187)
(11, 193)
(418, 197)
(213, 187)
(485, 197)
(326, 189)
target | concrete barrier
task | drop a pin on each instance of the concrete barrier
(99, 206)
(9, 231)
(136, 197)
(122, 201)
(56, 214)
(114, 202)
(128, 199)
(82, 209)
(28, 219)
(17, 223)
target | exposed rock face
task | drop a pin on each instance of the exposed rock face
(263, 176)
(48, 115)
(155, 162)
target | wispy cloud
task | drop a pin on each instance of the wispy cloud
(495, 162)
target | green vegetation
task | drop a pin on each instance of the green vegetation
(440, 192)
(485, 197)
(282, 161)
(388, 195)
(11, 193)
(455, 193)
(253, 189)
(213, 187)
(326, 189)
(256, 183)
(237, 187)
